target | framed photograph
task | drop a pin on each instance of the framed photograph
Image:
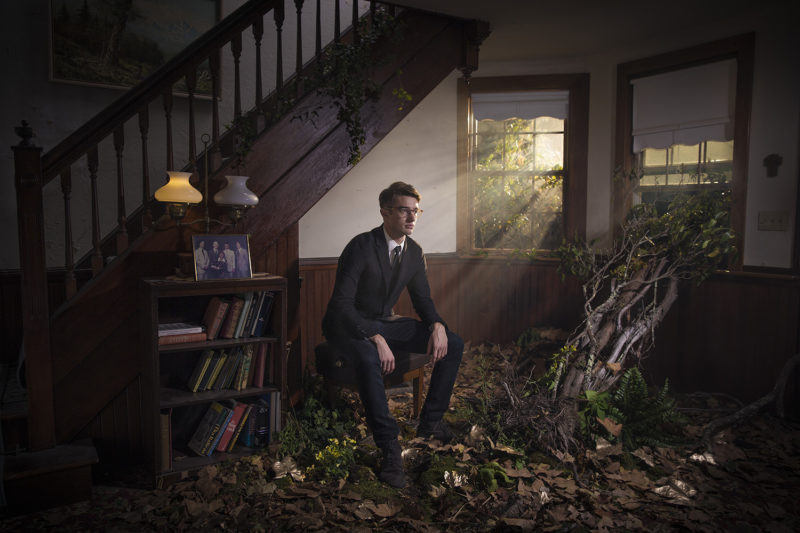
(221, 257)
(118, 43)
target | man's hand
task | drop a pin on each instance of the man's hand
(437, 342)
(384, 353)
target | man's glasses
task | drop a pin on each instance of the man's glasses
(405, 211)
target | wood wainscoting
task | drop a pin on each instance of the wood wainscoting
(731, 335)
(482, 299)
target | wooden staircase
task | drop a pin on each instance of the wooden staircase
(82, 365)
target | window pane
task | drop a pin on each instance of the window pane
(514, 208)
(680, 169)
(549, 151)
(549, 124)
(519, 152)
(687, 155)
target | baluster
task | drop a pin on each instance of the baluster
(337, 24)
(168, 121)
(356, 37)
(213, 61)
(144, 127)
(69, 276)
(236, 51)
(279, 16)
(318, 32)
(122, 233)
(298, 68)
(191, 85)
(258, 33)
(97, 254)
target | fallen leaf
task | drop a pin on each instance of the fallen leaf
(612, 427)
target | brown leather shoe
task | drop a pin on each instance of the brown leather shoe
(392, 467)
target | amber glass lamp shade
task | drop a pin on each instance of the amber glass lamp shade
(178, 193)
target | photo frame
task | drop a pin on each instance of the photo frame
(221, 257)
(118, 44)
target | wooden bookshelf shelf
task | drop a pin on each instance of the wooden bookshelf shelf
(171, 411)
(178, 397)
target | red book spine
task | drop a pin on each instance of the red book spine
(186, 337)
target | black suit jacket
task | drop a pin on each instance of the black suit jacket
(362, 296)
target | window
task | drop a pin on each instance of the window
(522, 162)
(665, 173)
(682, 123)
(683, 131)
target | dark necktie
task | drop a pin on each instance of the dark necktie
(395, 266)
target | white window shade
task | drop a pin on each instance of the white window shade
(686, 106)
(527, 105)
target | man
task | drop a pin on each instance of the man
(360, 322)
(230, 260)
(201, 260)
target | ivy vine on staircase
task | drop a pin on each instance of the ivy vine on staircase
(344, 75)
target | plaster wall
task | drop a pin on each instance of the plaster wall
(422, 149)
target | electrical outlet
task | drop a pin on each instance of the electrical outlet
(773, 220)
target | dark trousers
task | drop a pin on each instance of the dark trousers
(408, 335)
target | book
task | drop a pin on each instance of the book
(241, 424)
(230, 429)
(248, 302)
(220, 362)
(260, 327)
(252, 370)
(214, 316)
(207, 429)
(261, 430)
(224, 419)
(165, 419)
(248, 433)
(231, 318)
(260, 366)
(252, 315)
(183, 338)
(203, 384)
(200, 369)
(275, 414)
(179, 328)
(228, 372)
(240, 381)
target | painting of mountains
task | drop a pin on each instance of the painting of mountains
(118, 43)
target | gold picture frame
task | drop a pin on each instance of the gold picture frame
(221, 257)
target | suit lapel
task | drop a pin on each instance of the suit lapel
(382, 255)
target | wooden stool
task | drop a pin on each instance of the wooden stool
(338, 370)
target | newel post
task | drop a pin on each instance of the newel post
(28, 180)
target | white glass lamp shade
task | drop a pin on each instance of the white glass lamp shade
(178, 190)
(236, 193)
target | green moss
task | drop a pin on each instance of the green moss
(434, 473)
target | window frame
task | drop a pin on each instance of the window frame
(740, 48)
(576, 131)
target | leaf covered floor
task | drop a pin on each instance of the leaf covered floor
(748, 481)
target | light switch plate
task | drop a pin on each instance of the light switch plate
(773, 220)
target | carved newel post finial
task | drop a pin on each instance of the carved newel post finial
(25, 132)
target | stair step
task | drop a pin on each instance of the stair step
(47, 478)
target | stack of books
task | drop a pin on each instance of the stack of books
(242, 316)
(227, 423)
(180, 332)
(237, 368)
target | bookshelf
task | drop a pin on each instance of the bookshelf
(171, 412)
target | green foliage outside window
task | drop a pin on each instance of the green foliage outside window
(517, 176)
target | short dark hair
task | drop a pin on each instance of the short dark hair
(398, 188)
